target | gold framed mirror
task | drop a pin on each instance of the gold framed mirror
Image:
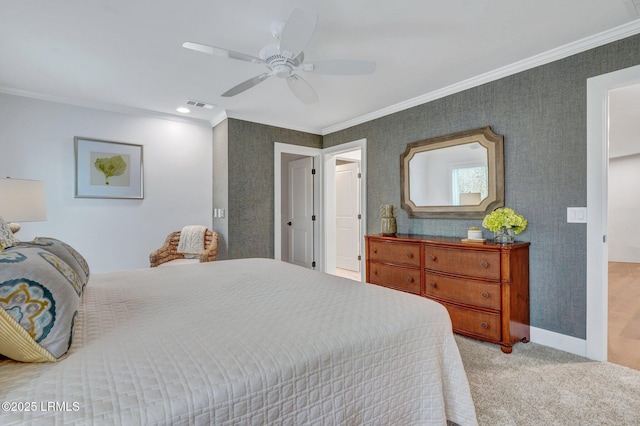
(456, 176)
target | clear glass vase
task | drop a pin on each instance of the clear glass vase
(503, 236)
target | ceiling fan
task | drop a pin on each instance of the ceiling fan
(285, 58)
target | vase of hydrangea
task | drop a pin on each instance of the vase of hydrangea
(505, 223)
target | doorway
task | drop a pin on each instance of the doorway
(623, 206)
(347, 195)
(344, 253)
(300, 212)
(297, 205)
(598, 131)
(324, 227)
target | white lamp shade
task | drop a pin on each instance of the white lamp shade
(22, 200)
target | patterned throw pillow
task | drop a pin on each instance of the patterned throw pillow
(39, 300)
(65, 252)
(7, 239)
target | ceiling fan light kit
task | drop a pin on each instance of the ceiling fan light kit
(285, 58)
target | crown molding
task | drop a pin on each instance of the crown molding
(269, 122)
(218, 118)
(103, 106)
(596, 40)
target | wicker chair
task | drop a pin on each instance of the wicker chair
(168, 251)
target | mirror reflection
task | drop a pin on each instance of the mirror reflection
(452, 176)
(460, 175)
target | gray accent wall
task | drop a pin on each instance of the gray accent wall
(250, 185)
(542, 114)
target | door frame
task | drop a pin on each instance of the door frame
(329, 166)
(349, 162)
(597, 205)
(324, 248)
(284, 148)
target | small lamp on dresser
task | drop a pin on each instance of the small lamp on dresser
(22, 200)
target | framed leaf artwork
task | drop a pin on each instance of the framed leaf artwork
(106, 169)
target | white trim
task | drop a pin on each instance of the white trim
(597, 186)
(283, 148)
(257, 118)
(122, 109)
(559, 341)
(618, 33)
(218, 118)
(329, 232)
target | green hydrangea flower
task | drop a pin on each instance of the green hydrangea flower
(505, 218)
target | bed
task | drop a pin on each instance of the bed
(245, 342)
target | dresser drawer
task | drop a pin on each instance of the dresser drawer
(472, 263)
(395, 252)
(470, 292)
(477, 323)
(396, 277)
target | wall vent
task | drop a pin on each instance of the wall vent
(199, 104)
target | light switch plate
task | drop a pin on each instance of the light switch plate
(576, 215)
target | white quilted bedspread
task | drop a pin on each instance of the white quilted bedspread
(246, 342)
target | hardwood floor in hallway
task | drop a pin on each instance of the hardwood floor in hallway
(624, 314)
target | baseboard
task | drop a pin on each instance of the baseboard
(559, 341)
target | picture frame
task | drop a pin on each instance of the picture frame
(107, 169)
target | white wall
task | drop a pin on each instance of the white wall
(624, 208)
(36, 142)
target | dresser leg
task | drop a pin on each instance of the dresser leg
(507, 349)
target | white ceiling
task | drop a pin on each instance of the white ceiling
(127, 54)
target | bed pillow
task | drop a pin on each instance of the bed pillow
(7, 239)
(39, 302)
(65, 252)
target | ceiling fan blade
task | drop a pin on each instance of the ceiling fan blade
(218, 51)
(341, 67)
(302, 89)
(297, 32)
(245, 85)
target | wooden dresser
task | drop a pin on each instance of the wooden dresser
(485, 287)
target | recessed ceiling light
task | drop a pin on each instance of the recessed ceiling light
(183, 110)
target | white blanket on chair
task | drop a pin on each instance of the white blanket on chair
(192, 239)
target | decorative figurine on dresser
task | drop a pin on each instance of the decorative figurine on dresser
(485, 287)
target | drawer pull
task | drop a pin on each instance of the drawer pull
(432, 284)
(409, 279)
(409, 255)
(375, 272)
(375, 250)
(484, 264)
(484, 325)
(432, 257)
(485, 294)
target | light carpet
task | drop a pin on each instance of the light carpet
(538, 385)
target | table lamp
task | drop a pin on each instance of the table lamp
(22, 200)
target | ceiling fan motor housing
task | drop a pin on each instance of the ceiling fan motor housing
(281, 65)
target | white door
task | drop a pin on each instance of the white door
(347, 217)
(300, 221)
